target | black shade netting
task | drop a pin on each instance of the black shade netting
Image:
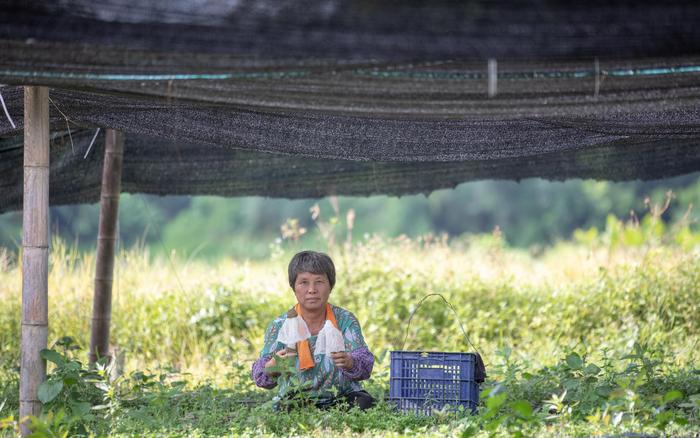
(305, 99)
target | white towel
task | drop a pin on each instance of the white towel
(293, 330)
(329, 340)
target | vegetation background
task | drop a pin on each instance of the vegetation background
(531, 214)
(592, 331)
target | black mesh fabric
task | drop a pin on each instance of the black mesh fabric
(309, 98)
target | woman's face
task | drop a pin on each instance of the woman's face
(312, 290)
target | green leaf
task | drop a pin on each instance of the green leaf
(604, 390)
(65, 341)
(469, 431)
(522, 408)
(672, 395)
(663, 419)
(52, 356)
(592, 369)
(286, 366)
(49, 390)
(80, 408)
(73, 365)
(571, 384)
(491, 391)
(496, 401)
(574, 361)
(680, 421)
(493, 424)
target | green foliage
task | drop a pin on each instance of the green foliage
(51, 425)
(533, 212)
(229, 321)
(70, 389)
(291, 391)
(572, 397)
(631, 389)
(579, 340)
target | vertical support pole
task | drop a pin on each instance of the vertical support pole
(35, 250)
(492, 77)
(106, 242)
(596, 68)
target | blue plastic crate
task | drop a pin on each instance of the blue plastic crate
(421, 382)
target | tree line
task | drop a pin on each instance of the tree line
(530, 212)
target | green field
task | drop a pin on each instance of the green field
(597, 336)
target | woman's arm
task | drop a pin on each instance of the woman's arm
(362, 358)
(362, 364)
(261, 378)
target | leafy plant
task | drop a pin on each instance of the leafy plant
(293, 391)
(71, 386)
(579, 340)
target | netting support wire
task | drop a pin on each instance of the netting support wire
(492, 77)
(450, 306)
(7, 113)
(94, 137)
(596, 67)
(70, 136)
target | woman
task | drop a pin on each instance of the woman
(326, 340)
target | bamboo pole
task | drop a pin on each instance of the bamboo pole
(35, 250)
(106, 242)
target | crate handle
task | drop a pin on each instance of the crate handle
(408, 326)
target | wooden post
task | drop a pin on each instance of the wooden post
(106, 242)
(35, 250)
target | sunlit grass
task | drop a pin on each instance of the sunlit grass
(206, 320)
(503, 296)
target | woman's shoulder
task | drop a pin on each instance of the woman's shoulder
(277, 322)
(343, 316)
(339, 311)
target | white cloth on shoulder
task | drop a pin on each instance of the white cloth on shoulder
(293, 330)
(329, 340)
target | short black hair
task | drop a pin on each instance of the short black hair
(311, 261)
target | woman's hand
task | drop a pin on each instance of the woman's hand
(272, 362)
(269, 364)
(342, 359)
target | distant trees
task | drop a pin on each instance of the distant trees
(531, 212)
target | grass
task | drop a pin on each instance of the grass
(581, 339)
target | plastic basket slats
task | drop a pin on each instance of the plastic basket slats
(421, 382)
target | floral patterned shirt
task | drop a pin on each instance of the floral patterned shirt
(324, 375)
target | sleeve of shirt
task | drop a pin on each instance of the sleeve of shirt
(258, 373)
(362, 364)
(362, 358)
(260, 377)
